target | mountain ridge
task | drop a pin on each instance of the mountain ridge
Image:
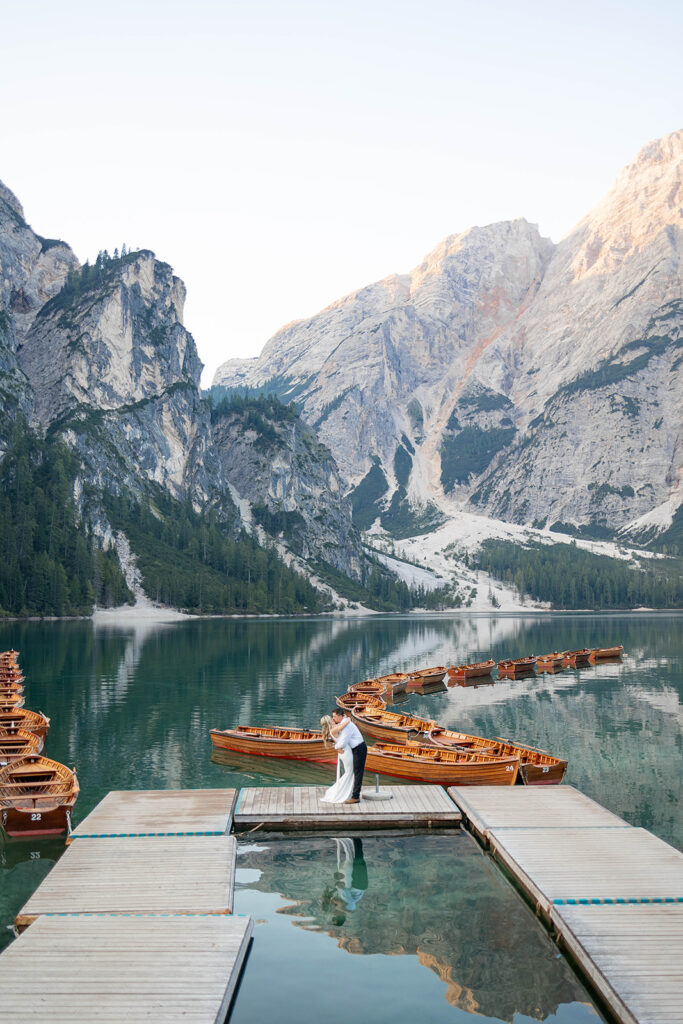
(502, 308)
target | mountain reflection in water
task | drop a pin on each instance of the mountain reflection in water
(436, 898)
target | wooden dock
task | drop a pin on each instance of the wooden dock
(72, 969)
(632, 954)
(487, 808)
(164, 874)
(291, 808)
(612, 893)
(164, 812)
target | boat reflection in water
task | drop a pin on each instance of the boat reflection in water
(272, 771)
(432, 898)
(472, 683)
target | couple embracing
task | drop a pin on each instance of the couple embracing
(352, 752)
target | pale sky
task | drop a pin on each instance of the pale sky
(281, 154)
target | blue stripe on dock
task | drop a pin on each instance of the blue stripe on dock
(239, 802)
(615, 900)
(140, 835)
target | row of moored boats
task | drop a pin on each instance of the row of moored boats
(36, 793)
(408, 747)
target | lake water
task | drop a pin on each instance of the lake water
(434, 932)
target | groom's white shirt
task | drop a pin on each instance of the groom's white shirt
(351, 735)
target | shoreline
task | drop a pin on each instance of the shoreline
(127, 615)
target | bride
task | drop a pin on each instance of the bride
(343, 787)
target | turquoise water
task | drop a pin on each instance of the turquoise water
(131, 708)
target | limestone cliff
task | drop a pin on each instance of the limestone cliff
(32, 270)
(276, 463)
(99, 357)
(536, 382)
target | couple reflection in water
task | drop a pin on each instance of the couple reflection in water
(350, 880)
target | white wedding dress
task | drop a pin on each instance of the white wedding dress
(343, 787)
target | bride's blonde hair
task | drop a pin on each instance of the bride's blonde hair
(326, 724)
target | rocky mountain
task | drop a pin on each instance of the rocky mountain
(98, 357)
(528, 381)
(290, 481)
(32, 270)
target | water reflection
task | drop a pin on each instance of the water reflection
(24, 863)
(133, 708)
(437, 899)
(350, 881)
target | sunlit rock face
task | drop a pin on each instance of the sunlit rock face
(389, 359)
(537, 382)
(113, 368)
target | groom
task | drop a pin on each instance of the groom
(352, 738)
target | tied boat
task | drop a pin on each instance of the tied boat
(550, 662)
(395, 682)
(603, 653)
(441, 767)
(21, 718)
(536, 767)
(348, 702)
(10, 686)
(575, 659)
(516, 666)
(427, 676)
(16, 743)
(12, 698)
(474, 671)
(275, 741)
(380, 724)
(36, 796)
(368, 688)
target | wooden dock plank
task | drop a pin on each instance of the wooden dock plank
(80, 968)
(589, 863)
(160, 812)
(194, 874)
(284, 808)
(633, 955)
(489, 807)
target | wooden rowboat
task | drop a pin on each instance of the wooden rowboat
(12, 698)
(574, 659)
(36, 796)
(11, 686)
(380, 724)
(275, 741)
(473, 671)
(427, 676)
(516, 666)
(550, 662)
(349, 701)
(441, 767)
(536, 767)
(368, 688)
(21, 718)
(16, 743)
(602, 653)
(395, 682)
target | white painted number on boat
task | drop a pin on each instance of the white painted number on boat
(509, 767)
(546, 769)
(36, 817)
